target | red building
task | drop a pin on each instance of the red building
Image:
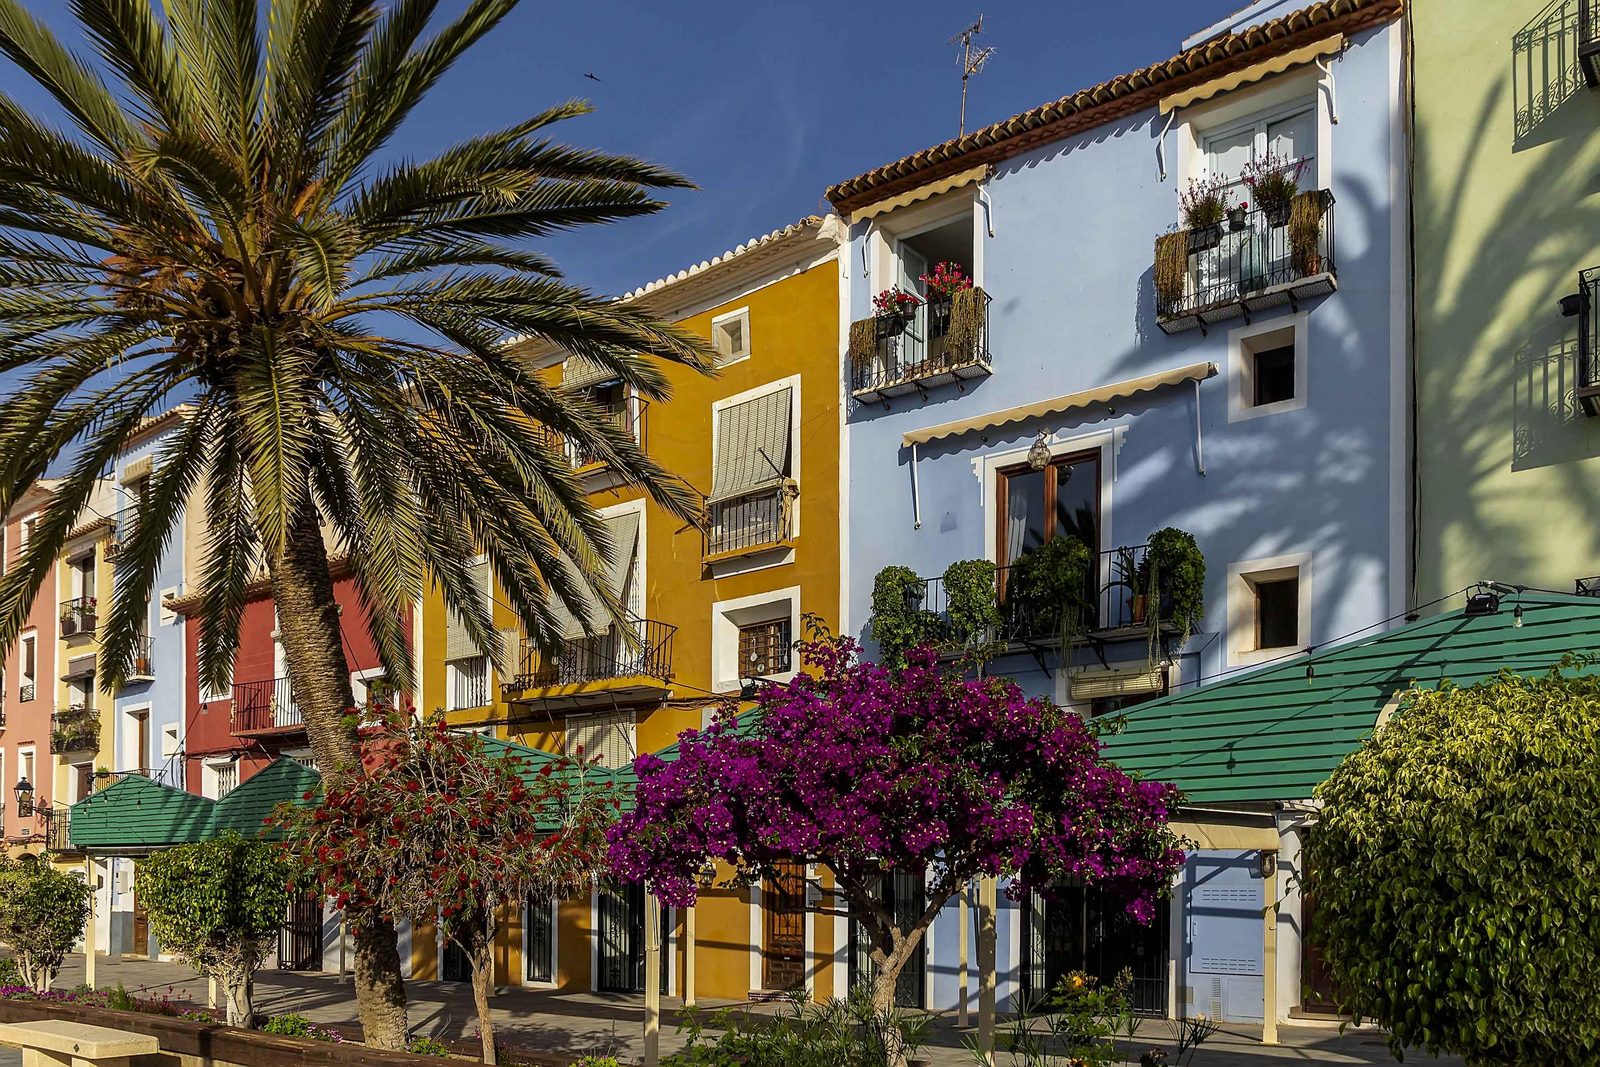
(236, 732)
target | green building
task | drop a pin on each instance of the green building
(1506, 211)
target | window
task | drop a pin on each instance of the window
(1277, 613)
(28, 684)
(28, 527)
(169, 741)
(1269, 608)
(1288, 133)
(27, 770)
(730, 334)
(468, 682)
(606, 739)
(221, 778)
(752, 462)
(764, 648)
(1269, 367)
(1063, 500)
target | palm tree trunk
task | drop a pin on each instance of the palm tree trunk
(319, 677)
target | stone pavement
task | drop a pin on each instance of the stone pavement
(589, 1022)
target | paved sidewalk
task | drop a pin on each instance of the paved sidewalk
(587, 1022)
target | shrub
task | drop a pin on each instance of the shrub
(840, 1033)
(1050, 587)
(294, 1024)
(972, 602)
(899, 621)
(42, 915)
(428, 1046)
(1458, 903)
(1177, 569)
(119, 999)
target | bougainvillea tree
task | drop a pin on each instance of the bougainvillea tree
(866, 771)
(443, 828)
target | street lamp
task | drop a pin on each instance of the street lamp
(24, 793)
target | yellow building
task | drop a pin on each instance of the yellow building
(710, 609)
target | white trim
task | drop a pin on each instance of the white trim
(1276, 97)
(782, 555)
(1241, 605)
(359, 679)
(842, 401)
(594, 940)
(725, 634)
(741, 313)
(813, 901)
(125, 712)
(757, 945)
(929, 957)
(1241, 370)
(987, 468)
(1400, 354)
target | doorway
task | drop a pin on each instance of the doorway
(621, 945)
(141, 925)
(300, 937)
(1077, 929)
(906, 896)
(454, 964)
(783, 950)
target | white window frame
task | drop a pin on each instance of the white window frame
(25, 527)
(1270, 100)
(742, 317)
(889, 229)
(726, 618)
(125, 716)
(727, 568)
(1107, 442)
(1241, 366)
(211, 774)
(630, 730)
(29, 637)
(452, 675)
(1259, 122)
(1241, 597)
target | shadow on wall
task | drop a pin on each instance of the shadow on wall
(1545, 77)
(1488, 408)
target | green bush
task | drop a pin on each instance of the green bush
(42, 914)
(290, 1025)
(1051, 590)
(899, 621)
(1458, 903)
(840, 1033)
(9, 975)
(119, 999)
(598, 1061)
(972, 602)
(1177, 569)
(430, 1046)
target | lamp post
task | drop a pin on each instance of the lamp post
(24, 791)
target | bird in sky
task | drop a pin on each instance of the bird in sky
(591, 77)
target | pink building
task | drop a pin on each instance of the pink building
(28, 688)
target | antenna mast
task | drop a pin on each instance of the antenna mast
(972, 61)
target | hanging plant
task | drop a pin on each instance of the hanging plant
(964, 335)
(899, 620)
(1171, 269)
(1176, 571)
(972, 603)
(1048, 590)
(1305, 232)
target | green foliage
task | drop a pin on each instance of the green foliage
(294, 1024)
(217, 905)
(9, 974)
(1176, 570)
(1458, 903)
(1049, 588)
(899, 621)
(119, 999)
(42, 914)
(972, 601)
(839, 1033)
(598, 1061)
(430, 1046)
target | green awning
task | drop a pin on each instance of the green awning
(135, 814)
(1277, 733)
(246, 807)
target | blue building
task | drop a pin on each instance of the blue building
(1119, 369)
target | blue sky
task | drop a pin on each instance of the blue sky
(763, 105)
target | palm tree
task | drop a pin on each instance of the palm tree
(214, 227)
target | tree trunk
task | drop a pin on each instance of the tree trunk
(480, 949)
(319, 677)
(241, 1001)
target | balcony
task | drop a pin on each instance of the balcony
(620, 663)
(753, 522)
(265, 707)
(932, 346)
(78, 616)
(626, 415)
(143, 666)
(1586, 384)
(1254, 260)
(57, 825)
(1587, 586)
(1589, 40)
(122, 527)
(75, 728)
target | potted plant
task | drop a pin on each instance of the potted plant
(972, 604)
(1238, 215)
(1273, 182)
(947, 279)
(1132, 574)
(1177, 573)
(893, 308)
(1048, 590)
(1204, 204)
(1305, 230)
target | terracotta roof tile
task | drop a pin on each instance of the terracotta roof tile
(1110, 99)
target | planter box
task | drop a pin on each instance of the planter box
(185, 1043)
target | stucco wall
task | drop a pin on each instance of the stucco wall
(1507, 144)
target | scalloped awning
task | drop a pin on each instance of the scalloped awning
(1254, 73)
(970, 176)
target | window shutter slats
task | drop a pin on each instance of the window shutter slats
(752, 445)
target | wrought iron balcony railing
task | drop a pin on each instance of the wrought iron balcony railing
(78, 616)
(1255, 259)
(943, 340)
(264, 705)
(143, 666)
(643, 651)
(1587, 586)
(26, 692)
(628, 415)
(122, 527)
(1113, 605)
(57, 826)
(753, 522)
(1586, 386)
(75, 728)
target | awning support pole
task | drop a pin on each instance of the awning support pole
(90, 934)
(1199, 442)
(916, 491)
(963, 949)
(1269, 951)
(652, 981)
(988, 898)
(1161, 144)
(688, 956)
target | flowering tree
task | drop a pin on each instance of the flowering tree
(218, 904)
(441, 828)
(42, 914)
(866, 771)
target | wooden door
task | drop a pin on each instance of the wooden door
(300, 939)
(784, 911)
(1316, 985)
(141, 927)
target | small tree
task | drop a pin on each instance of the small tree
(42, 915)
(217, 905)
(442, 829)
(1457, 902)
(866, 771)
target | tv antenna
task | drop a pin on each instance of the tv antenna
(972, 61)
